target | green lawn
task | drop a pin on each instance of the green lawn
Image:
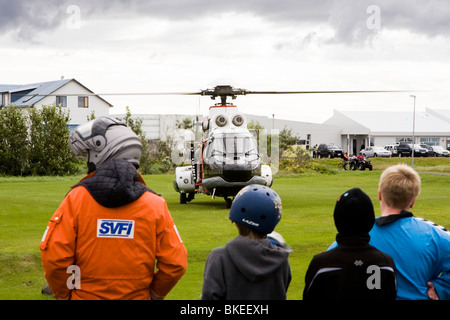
(26, 204)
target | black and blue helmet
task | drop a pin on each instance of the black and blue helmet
(257, 207)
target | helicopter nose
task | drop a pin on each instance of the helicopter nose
(237, 175)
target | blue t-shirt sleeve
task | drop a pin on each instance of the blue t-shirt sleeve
(333, 245)
(442, 282)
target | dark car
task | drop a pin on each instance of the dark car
(430, 152)
(419, 151)
(403, 150)
(328, 151)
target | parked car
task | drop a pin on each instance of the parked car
(376, 152)
(419, 151)
(403, 150)
(440, 152)
(430, 152)
(328, 151)
(392, 148)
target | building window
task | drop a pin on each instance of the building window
(61, 101)
(403, 140)
(83, 102)
(430, 141)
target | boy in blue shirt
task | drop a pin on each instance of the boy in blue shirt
(420, 249)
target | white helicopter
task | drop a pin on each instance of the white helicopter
(227, 159)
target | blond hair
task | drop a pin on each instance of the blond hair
(399, 186)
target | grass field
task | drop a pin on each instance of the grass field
(26, 205)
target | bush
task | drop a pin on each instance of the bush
(13, 142)
(36, 142)
(49, 133)
(136, 126)
(299, 160)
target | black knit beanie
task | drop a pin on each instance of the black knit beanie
(354, 213)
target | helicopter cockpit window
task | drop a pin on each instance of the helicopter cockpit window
(232, 151)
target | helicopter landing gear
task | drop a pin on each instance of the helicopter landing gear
(229, 202)
(184, 198)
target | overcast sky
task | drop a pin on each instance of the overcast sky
(187, 45)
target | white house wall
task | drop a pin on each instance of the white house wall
(77, 115)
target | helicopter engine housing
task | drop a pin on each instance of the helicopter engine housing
(184, 182)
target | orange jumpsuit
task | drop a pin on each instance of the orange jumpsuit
(129, 252)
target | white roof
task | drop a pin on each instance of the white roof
(440, 113)
(397, 121)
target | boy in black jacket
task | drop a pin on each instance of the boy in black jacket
(354, 270)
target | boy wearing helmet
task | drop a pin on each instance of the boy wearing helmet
(110, 229)
(250, 266)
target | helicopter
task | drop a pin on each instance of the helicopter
(227, 159)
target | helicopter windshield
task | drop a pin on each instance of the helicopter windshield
(232, 151)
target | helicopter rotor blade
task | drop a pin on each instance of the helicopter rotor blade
(320, 92)
(107, 94)
(219, 91)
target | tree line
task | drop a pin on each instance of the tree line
(34, 142)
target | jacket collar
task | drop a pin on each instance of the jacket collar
(393, 217)
(352, 239)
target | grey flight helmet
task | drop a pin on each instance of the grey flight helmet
(106, 138)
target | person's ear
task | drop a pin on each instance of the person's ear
(412, 203)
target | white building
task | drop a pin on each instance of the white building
(348, 129)
(78, 100)
(159, 126)
(309, 133)
(163, 126)
(359, 128)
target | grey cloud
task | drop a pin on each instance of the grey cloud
(27, 19)
(348, 17)
(431, 18)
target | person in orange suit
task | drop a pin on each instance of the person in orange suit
(111, 237)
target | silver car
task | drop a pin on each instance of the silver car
(376, 152)
(440, 152)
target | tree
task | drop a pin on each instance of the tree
(91, 116)
(13, 142)
(186, 123)
(287, 139)
(136, 126)
(49, 133)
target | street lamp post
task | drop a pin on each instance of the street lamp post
(414, 131)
